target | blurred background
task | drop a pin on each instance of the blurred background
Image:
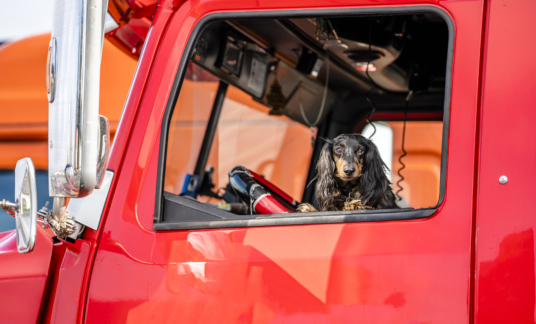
(24, 36)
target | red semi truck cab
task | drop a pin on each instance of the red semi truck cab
(191, 215)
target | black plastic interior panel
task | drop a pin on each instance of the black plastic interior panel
(186, 209)
(237, 60)
(232, 58)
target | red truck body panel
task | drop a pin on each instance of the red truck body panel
(504, 264)
(23, 277)
(399, 271)
(468, 263)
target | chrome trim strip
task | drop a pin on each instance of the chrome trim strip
(103, 149)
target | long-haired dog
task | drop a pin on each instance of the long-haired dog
(350, 176)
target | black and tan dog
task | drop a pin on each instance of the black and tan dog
(350, 176)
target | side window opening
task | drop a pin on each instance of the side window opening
(260, 96)
(275, 147)
(187, 126)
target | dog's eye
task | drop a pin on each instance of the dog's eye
(360, 151)
(338, 150)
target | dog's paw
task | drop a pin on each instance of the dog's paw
(355, 205)
(306, 208)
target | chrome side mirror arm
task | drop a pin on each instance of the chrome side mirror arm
(9, 207)
(12, 208)
(62, 223)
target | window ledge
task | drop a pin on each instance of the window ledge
(179, 204)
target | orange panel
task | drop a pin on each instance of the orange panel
(275, 147)
(423, 161)
(23, 99)
(14, 151)
(187, 130)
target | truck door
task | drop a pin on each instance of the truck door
(504, 265)
(164, 257)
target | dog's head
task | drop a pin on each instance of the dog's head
(348, 153)
(349, 159)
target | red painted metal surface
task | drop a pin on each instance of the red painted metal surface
(123, 134)
(267, 205)
(272, 187)
(505, 255)
(390, 272)
(69, 285)
(134, 19)
(23, 277)
(58, 252)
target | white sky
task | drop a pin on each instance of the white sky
(23, 18)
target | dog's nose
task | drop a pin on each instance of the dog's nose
(349, 170)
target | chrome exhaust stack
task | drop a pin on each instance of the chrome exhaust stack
(78, 138)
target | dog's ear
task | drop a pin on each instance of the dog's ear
(373, 182)
(325, 169)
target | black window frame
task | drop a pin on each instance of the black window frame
(222, 219)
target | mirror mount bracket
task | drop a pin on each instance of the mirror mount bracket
(61, 222)
(9, 207)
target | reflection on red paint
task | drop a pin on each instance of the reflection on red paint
(321, 273)
(506, 284)
(396, 300)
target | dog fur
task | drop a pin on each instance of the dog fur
(350, 176)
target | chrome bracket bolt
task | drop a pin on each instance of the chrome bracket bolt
(9, 207)
(503, 179)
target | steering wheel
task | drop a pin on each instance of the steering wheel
(259, 194)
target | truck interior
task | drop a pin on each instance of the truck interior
(263, 93)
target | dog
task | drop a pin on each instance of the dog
(350, 176)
